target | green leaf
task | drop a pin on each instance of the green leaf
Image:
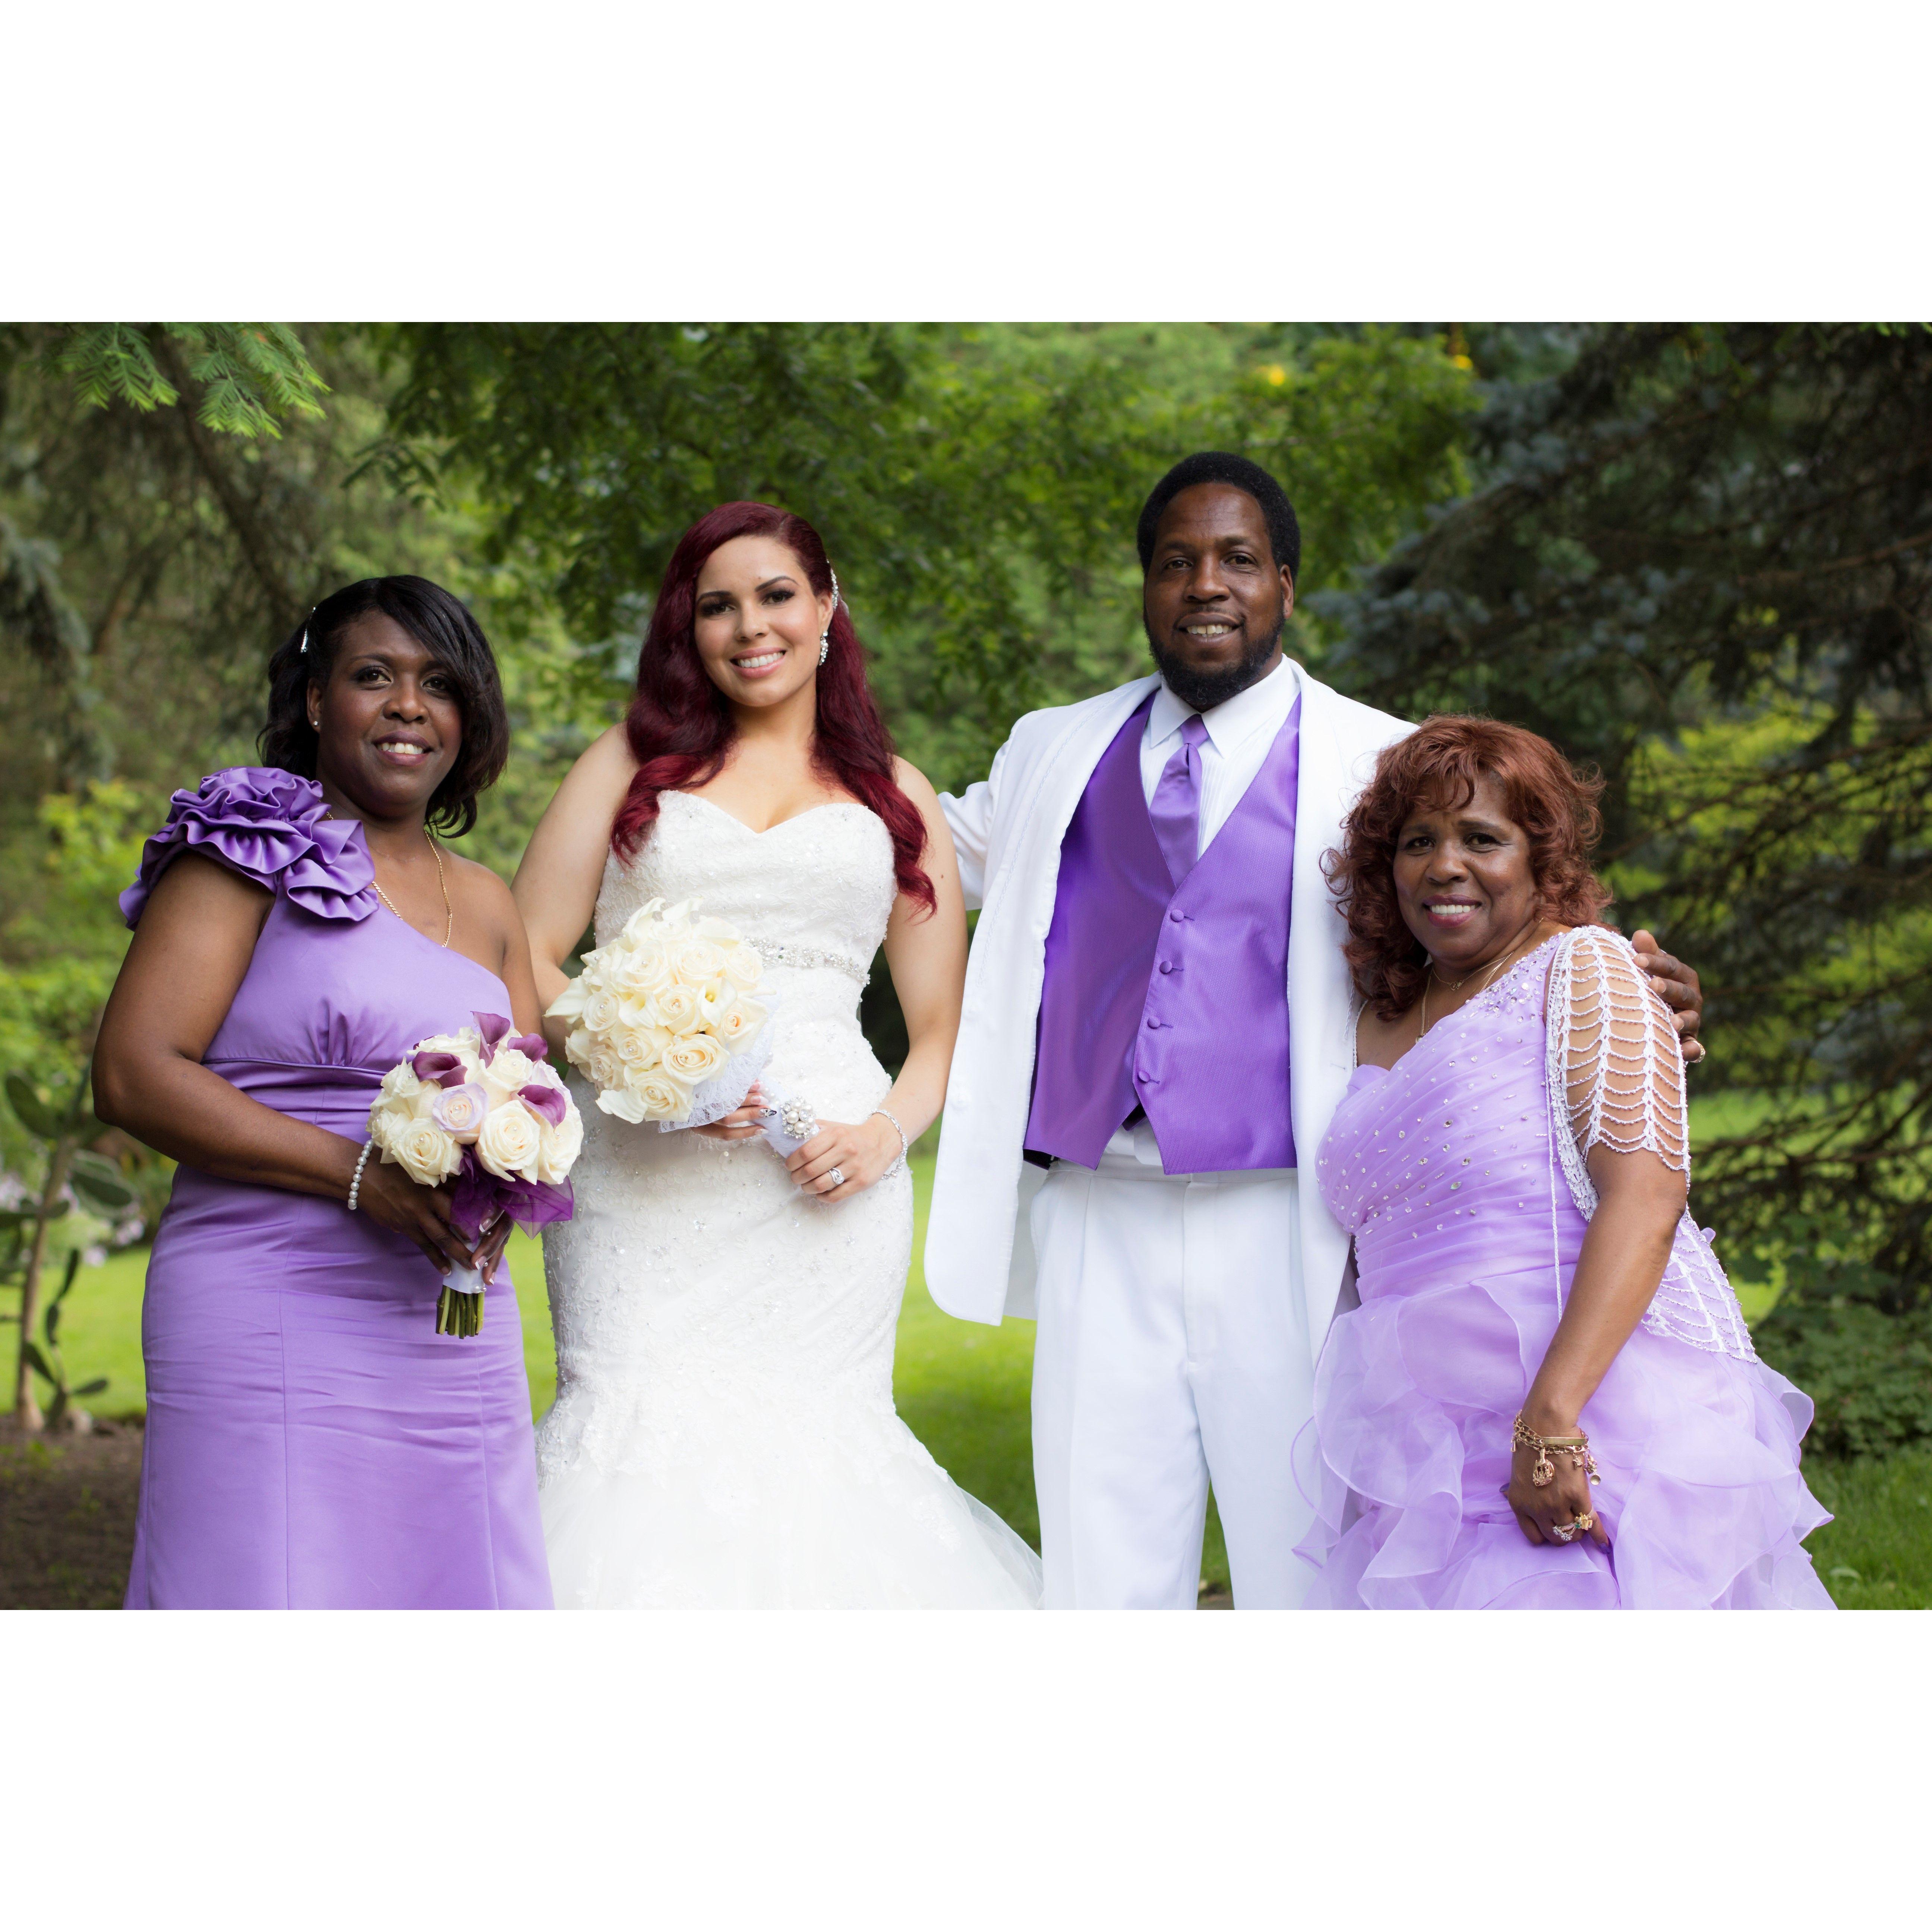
(93, 1387)
(34, 1113)
(100, 1180)
(113, 362)
(38, 1363)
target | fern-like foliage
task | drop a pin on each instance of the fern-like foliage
(251, 375)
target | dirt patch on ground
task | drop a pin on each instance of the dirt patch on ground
(66, 1519)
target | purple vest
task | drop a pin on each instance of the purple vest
(1176, 997)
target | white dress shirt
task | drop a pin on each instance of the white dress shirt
(1241, 733)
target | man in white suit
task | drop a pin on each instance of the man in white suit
(1156, 1018)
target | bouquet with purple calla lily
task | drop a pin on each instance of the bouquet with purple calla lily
(483, 1110)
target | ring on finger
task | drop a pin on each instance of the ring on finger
(1563, 1531)
(835, 1179)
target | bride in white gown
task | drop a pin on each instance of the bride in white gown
(724, 1433)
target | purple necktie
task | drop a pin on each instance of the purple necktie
(1175, 808)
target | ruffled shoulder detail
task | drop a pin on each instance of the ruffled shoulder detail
(272, 827)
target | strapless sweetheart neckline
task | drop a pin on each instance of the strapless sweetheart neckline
(752, 832)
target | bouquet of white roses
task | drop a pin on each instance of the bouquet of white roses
(484, 1110)
(667, 1021)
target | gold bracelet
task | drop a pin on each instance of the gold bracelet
(1543, 1472)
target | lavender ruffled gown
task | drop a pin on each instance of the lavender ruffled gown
(311, 1442)
(1447, 1171)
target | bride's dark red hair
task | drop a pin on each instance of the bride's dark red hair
(680, 724)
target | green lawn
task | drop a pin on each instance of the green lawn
(963, 1388)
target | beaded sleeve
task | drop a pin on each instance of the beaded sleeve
(1615, 1079)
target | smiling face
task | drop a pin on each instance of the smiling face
(758, 621)
(1215, 599)
(389, 723)
(1464, 881)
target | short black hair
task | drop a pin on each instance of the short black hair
(443, 626)
(1221, 466)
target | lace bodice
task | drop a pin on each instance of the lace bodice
(1452, 1157)
(814, 892)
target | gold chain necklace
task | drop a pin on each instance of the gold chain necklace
(1457, 986)
(449, 911)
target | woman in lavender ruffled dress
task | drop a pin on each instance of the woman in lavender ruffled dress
(1536, 1307)
(311, 1441)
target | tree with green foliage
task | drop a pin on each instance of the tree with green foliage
(977, 487)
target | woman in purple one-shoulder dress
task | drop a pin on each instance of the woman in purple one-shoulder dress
(311, 1441)
(1536, 1304)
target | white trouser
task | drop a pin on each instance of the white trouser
(1172, 1350)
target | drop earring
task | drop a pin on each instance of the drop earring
(825, 636)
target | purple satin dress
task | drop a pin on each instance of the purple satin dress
(1444, 1169)
(312, 1443)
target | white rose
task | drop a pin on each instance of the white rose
(739, 1022)
(576, 1047)
(424, 1152)
(661, 1097)
(401, 1082)
(508, 1144)
(742, 967)
(695, 1058)
(677, 1009)
(636, 1046)
(600, 1010)
(605, 1068)
(722, 930)
(699, 962)
(510, 1070)
(558, 1147)
(643, 969)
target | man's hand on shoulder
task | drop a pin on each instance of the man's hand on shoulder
(1681, 991)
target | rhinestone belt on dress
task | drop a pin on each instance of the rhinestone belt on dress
(807, 958)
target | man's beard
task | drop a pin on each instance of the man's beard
(1204, 689)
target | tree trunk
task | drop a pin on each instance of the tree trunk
(27, 1417)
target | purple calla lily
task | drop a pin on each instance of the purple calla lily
(443, 1069)
(549, 1102)
(495, 1029)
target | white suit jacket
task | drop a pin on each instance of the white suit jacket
(1008, 830)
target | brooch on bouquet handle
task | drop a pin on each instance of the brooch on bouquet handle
(788, 1124)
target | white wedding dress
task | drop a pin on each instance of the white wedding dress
(724, 1433)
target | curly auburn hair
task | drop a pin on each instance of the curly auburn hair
(1437, 766)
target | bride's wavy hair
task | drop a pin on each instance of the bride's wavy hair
(1436, 767)
(679, 723)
